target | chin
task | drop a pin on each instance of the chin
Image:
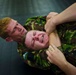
(38, 49)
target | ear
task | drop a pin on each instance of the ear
(9, 39)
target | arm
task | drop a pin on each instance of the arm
(67, 15)
(54, 39)
(68, 68)
(56, 57)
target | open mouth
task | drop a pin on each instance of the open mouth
(41, 38)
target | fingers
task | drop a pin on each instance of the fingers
(53, 13)
(52, 47)
(49, 59)
(51, 52)
(49, 56)
(55, 56)
(50, 15)
(47, 23)
(49, 26)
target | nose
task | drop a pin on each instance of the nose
(19, 29)
(35, 38)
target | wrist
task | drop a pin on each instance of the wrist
(63, 65)
(55, 21)
(58, 19)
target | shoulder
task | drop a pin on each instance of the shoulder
(35, 23)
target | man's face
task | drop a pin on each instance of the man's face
(15, 30)
(36, 40)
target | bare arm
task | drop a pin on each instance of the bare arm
(68, 68)
(56, 57)
(54, 39)
(67, 15)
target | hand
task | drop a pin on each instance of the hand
(50, 24)
(50, 15)
(55, 56)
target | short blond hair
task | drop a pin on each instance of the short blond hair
(3, 26)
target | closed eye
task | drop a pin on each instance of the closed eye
(14, 29)
(34, 33)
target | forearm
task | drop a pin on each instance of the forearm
(68, 68)
(67, 15)
(54, 39)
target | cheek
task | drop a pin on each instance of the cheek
(21, 27)
(16, 36)
(27, 42)
(17, 33)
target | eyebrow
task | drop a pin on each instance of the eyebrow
(14, 27)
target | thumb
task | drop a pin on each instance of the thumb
(45, 27)
(47, 32)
